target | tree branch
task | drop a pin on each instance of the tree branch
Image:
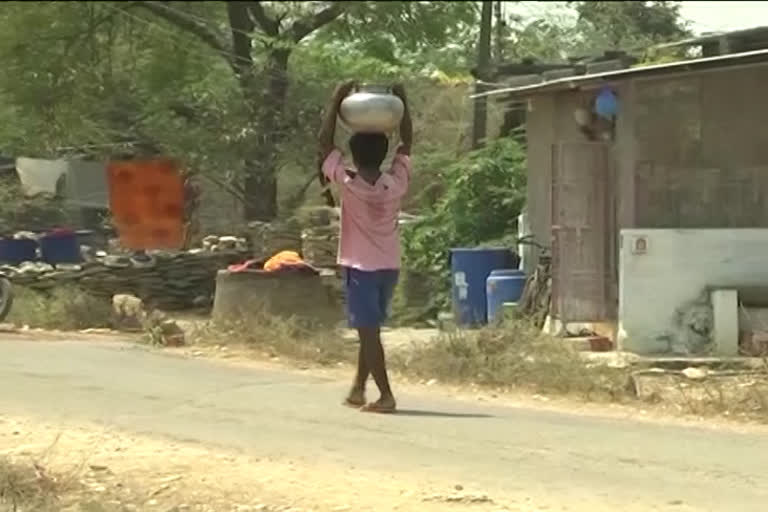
(303, 27)
(270, 26)
(242, 26)
(296, 199)
(229, 188)
(190, 25)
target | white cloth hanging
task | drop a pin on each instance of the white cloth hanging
(40, 176)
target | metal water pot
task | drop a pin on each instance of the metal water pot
(372, 109)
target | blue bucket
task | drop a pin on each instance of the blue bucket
(503, 286)
(470, 269)
(15, 251)
(60, 247)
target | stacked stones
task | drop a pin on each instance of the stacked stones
(320, 243)
(166, 280)
(320, 237)
(269, 238)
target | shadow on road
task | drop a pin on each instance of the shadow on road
(435, 414)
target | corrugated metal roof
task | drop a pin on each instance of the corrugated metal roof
(572, 82)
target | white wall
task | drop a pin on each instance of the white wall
(678, 266)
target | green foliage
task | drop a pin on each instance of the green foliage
(596, 27)
(483, 193)
(424, 36)
(625, 25)
(64, 308)
(104, 74)
(543, 39)
(19, 213)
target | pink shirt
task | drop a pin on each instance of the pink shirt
(370, 238)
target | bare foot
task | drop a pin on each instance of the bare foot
(385, 404)
(356, 398)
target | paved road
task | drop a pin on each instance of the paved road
(554, 458)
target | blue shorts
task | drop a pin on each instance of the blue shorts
(368, 296)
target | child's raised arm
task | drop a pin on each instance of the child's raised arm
(406, 126)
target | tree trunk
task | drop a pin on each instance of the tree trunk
(265, 105)
(260, 181)
(480, 119)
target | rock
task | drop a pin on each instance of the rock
(25, 235)
(117, 262)
(172, 334)
(227, 242)
(33, 267)
(320, 245)
(695, 373)
(147, 262)
(169, 280)
(160, 489)
(128, 311)
(201, 301)
(69, 267)
(209, 242)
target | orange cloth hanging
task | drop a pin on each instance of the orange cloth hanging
(147, 202)
(283, 259)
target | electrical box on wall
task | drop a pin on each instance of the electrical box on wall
(639, 244)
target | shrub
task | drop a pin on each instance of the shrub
(65, 308)
(482, 195)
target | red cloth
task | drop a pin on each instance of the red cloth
(246, 265)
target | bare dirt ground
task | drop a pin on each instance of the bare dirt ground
(103, 469)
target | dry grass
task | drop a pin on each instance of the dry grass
(23, 487)
(516, 355)
(736, 394)
(64, 308)
(273, 336)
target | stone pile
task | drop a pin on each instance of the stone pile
(269, 238)
(320, 236)
(319, 246)
(164, 279)
(314, 232)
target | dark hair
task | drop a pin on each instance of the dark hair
(369, 149)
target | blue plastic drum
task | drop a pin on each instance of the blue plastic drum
(60, 246)
(15, 251)
(470, 269)
(503, 286)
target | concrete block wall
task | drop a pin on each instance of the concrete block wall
(674, 269)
